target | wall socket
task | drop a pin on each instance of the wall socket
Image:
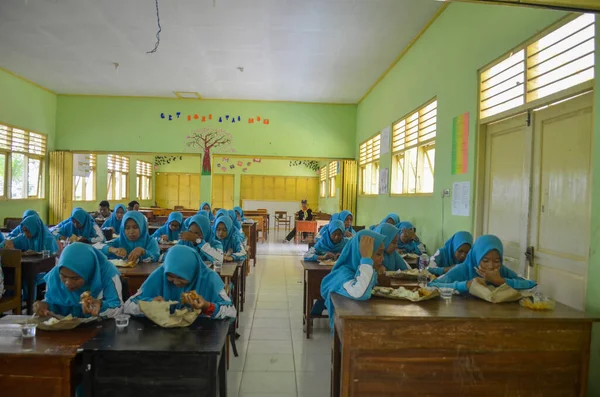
(445, 193)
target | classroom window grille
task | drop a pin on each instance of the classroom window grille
(323, 182)
(84, 187)
(369, 165)
(118, 177)
(144, 180)
(333, 170)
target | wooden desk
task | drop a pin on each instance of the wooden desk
(313, 275)
(305, 227)
(46, 365)
(30, 266)
(147, 360)
(165, 247)
(137, 275)
(466, 347)
(230, 274)
(153, 228)
(249, 230)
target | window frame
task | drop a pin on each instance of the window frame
(93, 176)
(323, 182)
(141, 176)
(368, 166)
(420, 146)
(117, 174)
(32, 148)
(332, 171)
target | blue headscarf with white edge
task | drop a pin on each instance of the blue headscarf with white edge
(447, 255)
(113, 222)
(231, 241)
(325, 244)
(183, 262)
(17, 230)
(211, 216)
(412, 246)
(221, 212)
(391, 216)
(144, 238)
(90, 264)
(233, 215)
(393, 261)
(240, 211)
(345, 268)
(207, 232)
(166, 230)
(85, 220)
(41, 238)
(342, 217)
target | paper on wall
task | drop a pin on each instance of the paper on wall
(461, 198)
(384, 146)
(384, 180)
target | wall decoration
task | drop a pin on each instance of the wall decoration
(248, 164)
(207, 139)
(256, 160)
(204, 118)
(162, 160)
(240, 163)
(310, 164)
(460, 144)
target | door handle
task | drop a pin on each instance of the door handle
(530, 256)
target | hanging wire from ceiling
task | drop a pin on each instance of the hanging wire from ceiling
(158, 32)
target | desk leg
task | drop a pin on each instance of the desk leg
(30, 292)
(336, 361)
(222, 375)
(305, 293)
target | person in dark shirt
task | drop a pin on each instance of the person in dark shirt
(133, 206)
(103, 212)
(305, 214)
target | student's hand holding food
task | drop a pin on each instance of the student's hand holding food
(227, 258)
(199, 303)
(120, 252)
(41, 308)
(73, 239)
(188, 236)
(9, 245)
(380, 269)
(366, 246)
(135, 254)
(164, 238)
(158, 299)
(90, 305)
(477, 280)
(491, 275)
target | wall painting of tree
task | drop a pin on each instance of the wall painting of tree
(207, 140)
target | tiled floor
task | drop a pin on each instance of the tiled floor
(276, 359)
(276, 246)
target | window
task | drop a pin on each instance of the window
(144, 180)
(559, 60)
(323, 182)
(22, 155)
(333, 169)
(413, 151)
(369, 165)
(118, 177)
(84, 177)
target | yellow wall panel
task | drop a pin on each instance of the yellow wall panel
(174, 189)
(279, 188)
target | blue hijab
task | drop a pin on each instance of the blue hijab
(447, 254)
(87, 262)
(236, 224)
(221, 212)
(345, 268)
(393, 261)
(325, 244)
(342, 217)
(85, 220)
(113, 222)
(144, 239)
(207, 232)
(166, 230)
(412, 247)
(391, 216)
(41, 238)
(240, 211)
(231, 241)
(466, 270)
(17, 230)
(186, 263)
(211, 217)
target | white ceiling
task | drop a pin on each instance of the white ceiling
(291, 50)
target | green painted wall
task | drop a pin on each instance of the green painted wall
(134, 124)
(31, 108)
(443, 63)
(187, 164)
(102, 184)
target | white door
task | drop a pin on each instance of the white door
(506, 197)
(561, 196)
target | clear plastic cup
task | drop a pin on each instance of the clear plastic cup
(446, 293)
(45, 254)
(28, 330)
(122, 320)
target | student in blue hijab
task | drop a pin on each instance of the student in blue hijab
(114, 222)
(199, 236)
(80, 227)
(390, 218)
(82, 268)
(184, 271)
(233, 249)
(483, 265)
(347, 217)
(221, 212)
(353, 275)
(236, 224)
(171, 229)
(330, 244)
(409, 242)
(240, 215)
(17, 230)
(392, 260)
(206, 207)
(453, 252)
(35, 237)
(134, 243)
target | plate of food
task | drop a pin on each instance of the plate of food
(122, 263)
(410, 256)
(412, 274)
(327, 262)
(174, 242)
(402, 293)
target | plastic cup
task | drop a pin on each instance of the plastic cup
(122, 320)
(28, 330)
(446, 293)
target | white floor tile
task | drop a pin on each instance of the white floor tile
(313, 382)
(271, 314)
(268, 382)
(234, 379)
(271, 334)
(271, 322)
(275, 346)
(272, 306)
(312, 362)
(274, 362)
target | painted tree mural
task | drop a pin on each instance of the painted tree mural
(210, 139)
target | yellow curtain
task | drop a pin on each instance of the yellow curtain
(61, 186)
(349, 186)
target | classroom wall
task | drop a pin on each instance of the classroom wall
(134, 124)
(182, 164)
(443, 63)
(102, 184)
(29, 107)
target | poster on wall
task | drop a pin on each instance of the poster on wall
(461, 198)
(460, 144)
(82, 165)
(383, 180)
(384, 146)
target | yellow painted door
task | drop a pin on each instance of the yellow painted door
(560, 211)
(507, 179)
(161, 190)
(194, 191)
(172, 190)
(217, 191)
(184, 191)
(228, 191)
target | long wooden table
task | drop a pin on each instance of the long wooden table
(249, 230)
(31, 265)
(46, 365)
(313, 275)
(465, 347)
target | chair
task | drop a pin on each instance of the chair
(179, 208)
(12, 223)
(11, 265)
(281, 218)
(358, 228)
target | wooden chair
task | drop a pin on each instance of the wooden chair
(12, 223)
(179, 208)
(281, 218)
(358, 228)
(11, 265)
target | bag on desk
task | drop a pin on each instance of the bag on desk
(160, 314)
(492, 294)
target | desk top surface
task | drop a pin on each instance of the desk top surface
(315, 266)
(146, 268)
(37, 258)
(205, 336)
(460, 307)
